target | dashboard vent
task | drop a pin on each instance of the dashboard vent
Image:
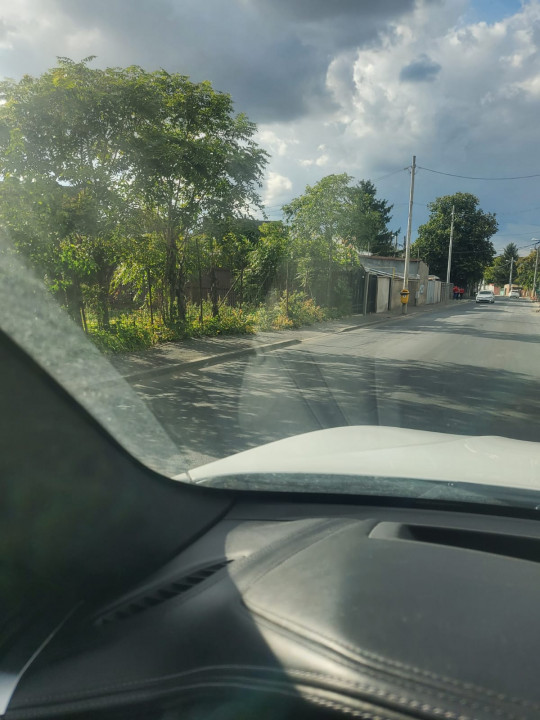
(159, 594)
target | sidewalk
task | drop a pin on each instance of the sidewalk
(201, 352)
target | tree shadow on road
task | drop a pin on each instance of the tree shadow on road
(227, 408)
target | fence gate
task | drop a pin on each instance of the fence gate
(372, 294)
(430, 292)
(358, 283)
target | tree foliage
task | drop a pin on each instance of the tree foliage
(117, 154)
(330, 224)
(270, 260)
(319, 223)
(499, 272)
(472, 249)
(526, 267)
(369, 220)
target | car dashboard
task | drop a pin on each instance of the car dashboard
(304, 610)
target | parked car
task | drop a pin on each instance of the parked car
(485, 296)
(514, 294)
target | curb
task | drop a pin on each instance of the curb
(382, 317)
(209, 360)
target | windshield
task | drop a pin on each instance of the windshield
(217, 237)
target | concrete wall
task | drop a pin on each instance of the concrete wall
(383, 288)
(415, 297)
(395, 298)
(421, 294)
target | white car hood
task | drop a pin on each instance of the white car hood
(390, 453)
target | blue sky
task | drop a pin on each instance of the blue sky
(492, 10)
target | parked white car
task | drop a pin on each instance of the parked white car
(514, 294)
(485, 296)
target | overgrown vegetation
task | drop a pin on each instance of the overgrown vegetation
(135, 330)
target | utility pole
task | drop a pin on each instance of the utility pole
(450, 247)
(408, 240)
(511, 273)
(535, 271)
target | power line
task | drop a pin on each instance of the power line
(470, 177)
(518, 212)
(394, 172)
(511, 234)
(524, 247)
(474, 252)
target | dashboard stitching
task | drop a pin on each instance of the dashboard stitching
(367, 655)
(405, 683)
(333, 705)
(414, 704)
(345, 709)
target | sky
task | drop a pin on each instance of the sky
(337, 86)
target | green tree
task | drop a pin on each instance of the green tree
(195, 160)
(319, 226)
(525, 271)
(235, 239)
(472, 249)
(270, 264)
(369, 220)
(62, 143)
(499, 272)
(112, 144)
(141, 262)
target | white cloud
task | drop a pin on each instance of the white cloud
(275, 144)
(468, 104)
(277, 189)
(468, 66)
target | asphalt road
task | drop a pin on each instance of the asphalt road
(467, 369)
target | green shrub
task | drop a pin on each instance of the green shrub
(126, 333)
(230, 321)
(302, 310)
(131, 331)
